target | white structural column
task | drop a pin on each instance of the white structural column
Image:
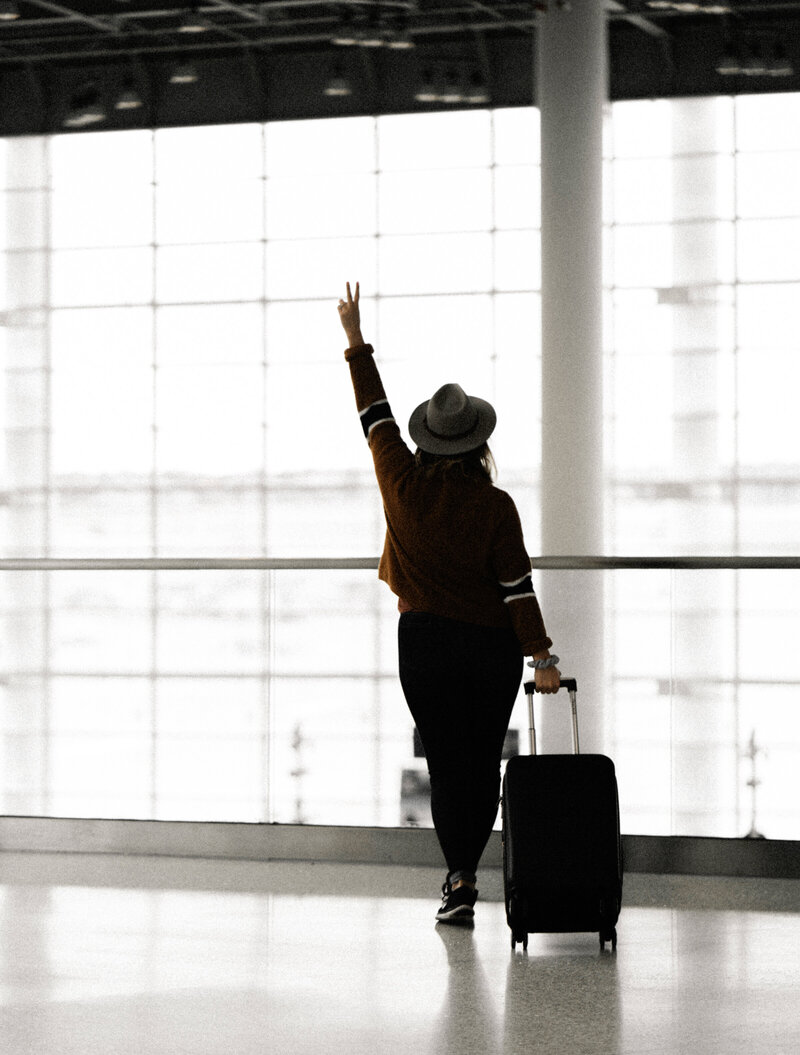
(571, 91)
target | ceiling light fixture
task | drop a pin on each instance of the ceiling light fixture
(183, 73)
(85, 110)
(477, 93)
(427, 91)
(754, 64)
(691, 7)
(399, 40)
(193, 22)
(338, 85)
(347, 34)
(729, 63)
(346, 38)
(779, 65)
(128, 97)
(373, 36)
(452, 93)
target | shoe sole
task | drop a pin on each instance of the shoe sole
(462, 914)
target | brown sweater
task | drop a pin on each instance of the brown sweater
(454, 546)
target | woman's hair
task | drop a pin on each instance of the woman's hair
(477, 463)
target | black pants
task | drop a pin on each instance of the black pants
(460, 682)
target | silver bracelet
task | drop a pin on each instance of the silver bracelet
(543, 664)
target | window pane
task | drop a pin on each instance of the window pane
(767, 250)
(308, 331)
(83, 217)
(207, 273)
(433, 141)
(102, 423)
(643, 428)
(702, 125)
(769, 316)
(101, 338)
(702, 253)
(107, 161)
(640, 323)
(517, 197)
(109, 276)
(210, 623)
(518, 260)
(217, 154)
(106, 705)
(114, 520)
(201, 521)
(642, 256)
(24, 285)
(301, 407)
(441, 334)
(768, 411)
(201, 212)
(210, 419)
(23, 222)
(101, 623)
(516, 443)
(451, 200)
(318, 268)
(222, 707)
(642, 190)
(436, 263)
(516, 136)
(518, 325)
(321, 206)
(339, 145)
(353, 523)
(779, 172)
(26, 399)
(210, 334)
(768, 122)
(108, 776)
(642, 129)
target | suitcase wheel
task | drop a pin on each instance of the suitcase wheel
(523, 937)
(608, 936)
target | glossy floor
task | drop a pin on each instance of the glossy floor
(132, 955)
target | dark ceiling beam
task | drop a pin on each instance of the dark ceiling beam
(274, 40)
(104, 24)
(614, 7)
(247, 13)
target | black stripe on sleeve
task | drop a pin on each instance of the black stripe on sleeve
(374, 415)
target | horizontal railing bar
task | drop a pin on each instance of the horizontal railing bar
(665, 563)
(560, 563)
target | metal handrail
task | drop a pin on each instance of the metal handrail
(554, 563)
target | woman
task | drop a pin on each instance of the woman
(455, 557)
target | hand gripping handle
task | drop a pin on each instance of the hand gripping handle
(566, 683)
(571, 685)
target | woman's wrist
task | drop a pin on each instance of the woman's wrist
(354, 337)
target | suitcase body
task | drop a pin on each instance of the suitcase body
(562, 855)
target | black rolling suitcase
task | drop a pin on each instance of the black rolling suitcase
(562, 851)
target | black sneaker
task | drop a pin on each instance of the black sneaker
(458, 906)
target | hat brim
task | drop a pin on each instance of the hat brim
(476, 437)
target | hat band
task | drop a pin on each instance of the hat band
(452, 435)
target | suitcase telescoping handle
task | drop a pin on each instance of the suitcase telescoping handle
(571, 685)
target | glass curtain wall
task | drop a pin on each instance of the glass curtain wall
(703, 273)
(174, 386)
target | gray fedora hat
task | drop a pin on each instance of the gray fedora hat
(451, 422)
